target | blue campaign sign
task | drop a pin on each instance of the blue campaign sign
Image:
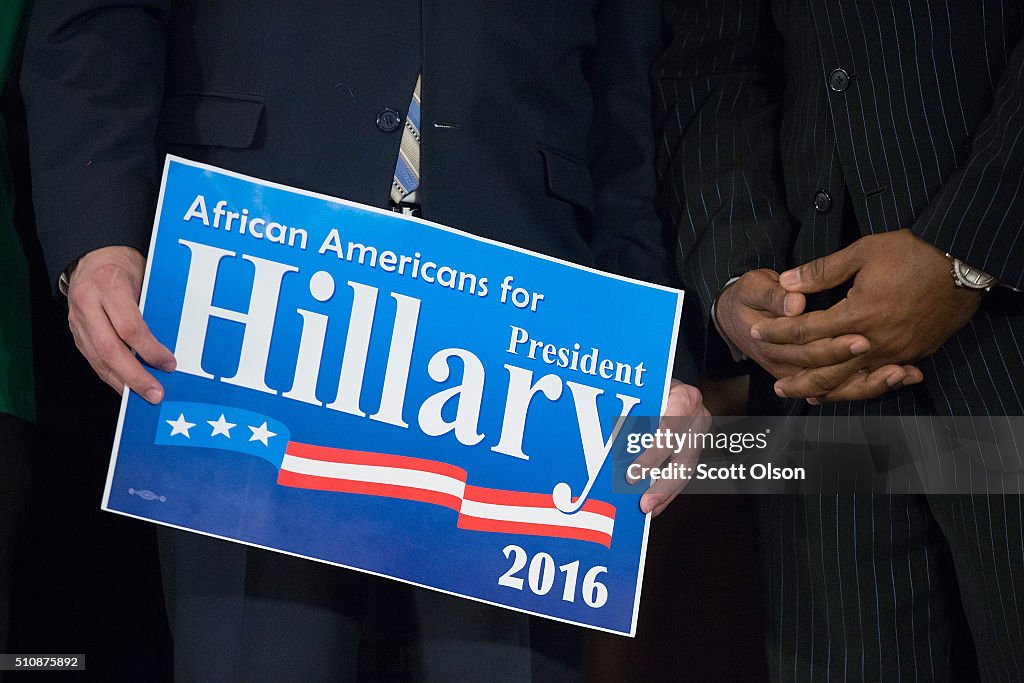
(393, 396)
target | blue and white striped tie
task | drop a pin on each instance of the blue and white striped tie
(407, 170)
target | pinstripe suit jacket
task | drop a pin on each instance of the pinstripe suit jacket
(925, 131)
(927, 134)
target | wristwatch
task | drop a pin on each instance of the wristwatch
(967, 277)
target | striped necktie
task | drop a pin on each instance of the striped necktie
(407, 170)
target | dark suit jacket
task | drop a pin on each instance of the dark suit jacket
(924, 129)
(536, 116)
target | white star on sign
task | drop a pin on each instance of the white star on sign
(181, 426)
(221, 426)
(261, 434)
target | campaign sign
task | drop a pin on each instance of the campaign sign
(394, 396)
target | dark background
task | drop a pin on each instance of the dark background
(89, 582)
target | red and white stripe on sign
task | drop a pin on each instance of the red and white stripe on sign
(438, 483)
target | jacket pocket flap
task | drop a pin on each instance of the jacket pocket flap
(211, 120)
(568, 179)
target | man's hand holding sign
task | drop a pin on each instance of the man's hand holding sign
(684, 412)
(104, 316)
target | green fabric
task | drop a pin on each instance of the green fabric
(16, 391)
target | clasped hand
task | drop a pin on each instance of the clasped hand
(901, 308)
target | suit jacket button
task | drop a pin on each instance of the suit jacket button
(839, 80)
(389, 120)
(822, 202)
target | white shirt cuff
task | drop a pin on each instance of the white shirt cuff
(734, 350)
